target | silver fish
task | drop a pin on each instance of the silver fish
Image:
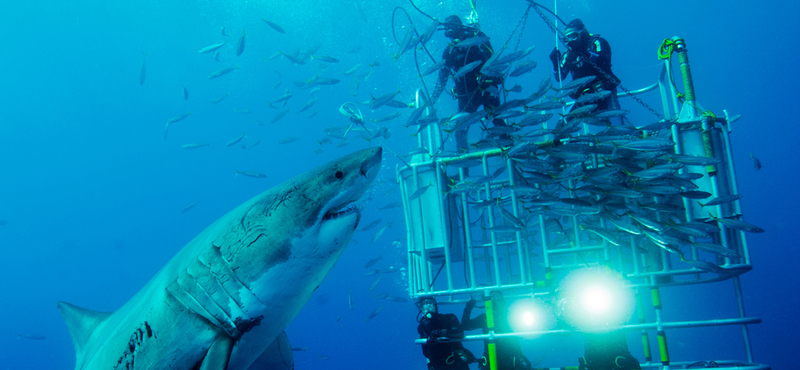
(240, 45)
(221, 72)
(253, 174)
(274, 26)
(211, 48)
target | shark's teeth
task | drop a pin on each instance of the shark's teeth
(343, 212)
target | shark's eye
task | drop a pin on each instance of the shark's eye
(338, 174)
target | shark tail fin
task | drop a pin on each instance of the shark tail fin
(81, 322)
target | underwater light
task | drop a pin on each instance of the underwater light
(526, 315)
(595, 300)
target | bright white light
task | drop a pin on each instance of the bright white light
(528, 315)
(527, 318)
(596, 300)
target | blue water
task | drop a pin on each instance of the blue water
(92, 193)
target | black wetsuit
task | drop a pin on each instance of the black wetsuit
(509, 354)
(445, 355)
(598, 51)
(473, 89)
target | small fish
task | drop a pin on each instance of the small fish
(466, 69)
(240, 45)
(720, 200)
(756, 162)
(374, 313)
(194, 145)
(391, 205)
(143, 72)
(253, 174)
(211, 48)
(289, 139)
(349, 299)
(274, 26)
(433, 68)
(179, 118)
(279, 116)
(372, 272)
(247, 146)
(523, 68)
(352, 70)
(221, 72)
(738, 225)
(298, 349)
(32, 336)
(185, 93)
(326, 59)
(221, 98)
(243, 111)
(324, 357)
(472, 41)
(379, 233)
(187, 208)
(371, 225)
(375, 284)
(307, 105)
(236, 140)
(3, 222)
(222, 32)
(576, 84)
(381, 100)
(419, 193)
(372, 262)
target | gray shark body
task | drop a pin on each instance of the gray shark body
(224, 300)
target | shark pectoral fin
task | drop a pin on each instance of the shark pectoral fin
(278, 356)
(219, 354)
(81, 323)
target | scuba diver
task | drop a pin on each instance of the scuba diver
(509, 354)
(438, 329)
(587, 55)
(472, 88)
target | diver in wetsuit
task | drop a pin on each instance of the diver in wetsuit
(473, 89)
(438, 329)
(587, 55)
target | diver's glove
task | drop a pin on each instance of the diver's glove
(555, 56)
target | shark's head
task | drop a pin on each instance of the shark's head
(304, 223)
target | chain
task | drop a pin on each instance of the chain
(612, 79)
(520, 22)
(548, 22)
(522, 31)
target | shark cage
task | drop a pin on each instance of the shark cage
(655, 206)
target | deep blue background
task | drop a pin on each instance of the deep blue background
(92, 193)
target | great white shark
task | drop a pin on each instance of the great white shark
(224, 300)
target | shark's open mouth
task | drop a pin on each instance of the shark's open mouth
(346, 210)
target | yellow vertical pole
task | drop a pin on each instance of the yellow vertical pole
(655, 295)
(688, 88)
(492, 347)
(648, 356)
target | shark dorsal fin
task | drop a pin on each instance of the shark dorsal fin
(81, 322)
